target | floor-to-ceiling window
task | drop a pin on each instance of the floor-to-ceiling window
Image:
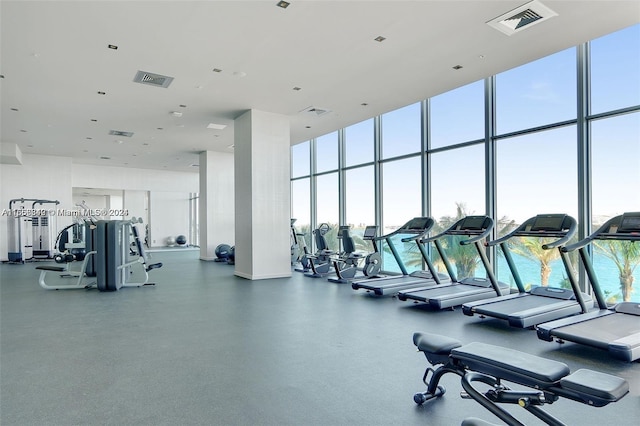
(538, 142)
(615, 152)
(359, 180)
(301, 189)
(359, 144)
(401, 131)
(327, 195)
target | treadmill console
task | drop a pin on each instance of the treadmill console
(630, 223)
(369, 233)
(473, 223)
(416, 225)
(548, 222)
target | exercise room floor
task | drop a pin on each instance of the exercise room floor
(204, 347)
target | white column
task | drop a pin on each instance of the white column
(216, 204)
(262, 188)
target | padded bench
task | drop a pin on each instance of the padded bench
(550, 379)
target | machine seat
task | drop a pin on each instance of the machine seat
(51, 268)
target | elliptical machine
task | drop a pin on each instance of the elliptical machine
(346, 266)
(320, 262)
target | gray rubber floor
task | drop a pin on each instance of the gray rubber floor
(204, 347)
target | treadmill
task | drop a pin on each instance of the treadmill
(542, 303)
(457, 292)
(616, 329)
(382, 285)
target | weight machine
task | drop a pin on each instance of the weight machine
(30, 231)
(109, 259)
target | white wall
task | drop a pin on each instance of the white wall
(51, 177)
(136, 203)
(169, 216)
(216, 204)
(88, 176)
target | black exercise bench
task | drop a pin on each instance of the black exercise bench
(489, 364)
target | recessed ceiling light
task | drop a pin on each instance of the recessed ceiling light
(380, 39)
(145, 144)
(297, 88)
(283, 4)
(481, 57)
(23, 130)
(29, 146)
(159, 128)
(216, 126)
(217, 70)
(102, 93)
(112, 46)
(182, 106)
(176, 113)
(105, 158)
(457, 67)
(88, 138)
(120, 142)
(14, 109)
(1, 75)
(307, 127)
(94, 120)
(364, 104)
(85, 150)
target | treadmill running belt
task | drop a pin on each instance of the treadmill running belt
(510, 307)
(601, 331)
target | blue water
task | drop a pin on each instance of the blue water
(529, 271)
(606, 271)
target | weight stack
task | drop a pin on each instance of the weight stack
(109, 256)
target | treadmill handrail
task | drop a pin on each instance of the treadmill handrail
(404, 229)
(586, 260)
(415, 237)
(521, 231)
(602, 234)
(418, 232)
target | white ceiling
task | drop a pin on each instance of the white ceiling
(55, 59)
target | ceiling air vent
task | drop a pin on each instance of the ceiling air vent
(120, 133)
(315, 111)
(522, 17)
(151, 79)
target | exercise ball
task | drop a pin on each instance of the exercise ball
(181, 240)
(222, 251)
(171, 241)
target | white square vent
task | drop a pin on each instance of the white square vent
(152, 79)
(315, 111)
(522, 17)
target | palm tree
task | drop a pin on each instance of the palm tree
(531, 248)
(626, 256)
(464, 257)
